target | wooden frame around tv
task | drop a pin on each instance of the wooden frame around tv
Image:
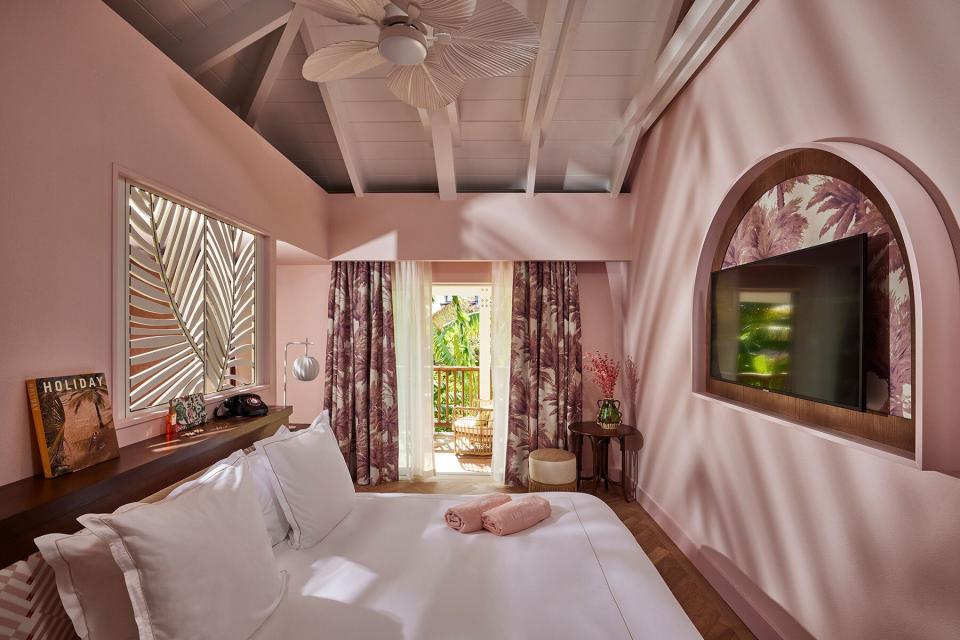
(885, 429)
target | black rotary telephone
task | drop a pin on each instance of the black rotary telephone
(244, 405)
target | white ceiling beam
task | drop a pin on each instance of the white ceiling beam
(453, 115)
(547, 106)
(225, 37)
(442, 135)
(443, 127)
(666, 19)
(270, 65)
(548, 29)
(561, 61)
(424, 118)
(702, 30)
(334, 106)
(623, 157)
(263, 64)
(532, 161)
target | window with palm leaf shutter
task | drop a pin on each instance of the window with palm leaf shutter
(191, 297)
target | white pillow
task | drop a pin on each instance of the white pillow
(197, 564)
(311, 480)
(91, 585)
(273, 518)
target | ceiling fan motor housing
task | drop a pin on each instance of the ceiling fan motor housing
(403, 44)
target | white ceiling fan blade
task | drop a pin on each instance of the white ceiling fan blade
(349, 11)
(446, 15)
(428, 85)
(342, 60)
(498, 41)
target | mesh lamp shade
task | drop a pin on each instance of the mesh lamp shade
(306, 368)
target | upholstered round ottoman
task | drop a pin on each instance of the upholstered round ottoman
(552, 470)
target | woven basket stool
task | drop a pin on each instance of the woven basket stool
(552, 470)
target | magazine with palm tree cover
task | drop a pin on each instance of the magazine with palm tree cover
(73, 422)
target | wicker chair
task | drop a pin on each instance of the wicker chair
(473, 430)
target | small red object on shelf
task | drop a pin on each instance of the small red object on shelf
(171, 424)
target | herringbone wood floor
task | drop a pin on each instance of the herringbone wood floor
(710, 614)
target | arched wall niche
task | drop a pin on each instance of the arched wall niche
(927, 434)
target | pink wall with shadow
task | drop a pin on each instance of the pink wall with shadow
(462, 272)
(302, 293)
(822, 539)
(82, 91)
(479, 226)
(601, 318)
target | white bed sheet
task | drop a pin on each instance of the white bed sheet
(392, 570)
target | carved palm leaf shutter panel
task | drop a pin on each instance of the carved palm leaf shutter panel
(230, 306)
(165, 285)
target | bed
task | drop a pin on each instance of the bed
(392, 569)
(341, 564)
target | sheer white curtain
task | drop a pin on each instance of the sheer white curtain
(502, 308)
(412, 298)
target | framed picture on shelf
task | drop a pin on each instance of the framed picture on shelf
(73, 422)
(190, 412)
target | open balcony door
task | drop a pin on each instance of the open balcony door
(412, 298)
(462, 387)
(502, 310)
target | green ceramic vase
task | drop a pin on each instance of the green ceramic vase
(609, 414)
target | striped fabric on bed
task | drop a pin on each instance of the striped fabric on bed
(30, 606)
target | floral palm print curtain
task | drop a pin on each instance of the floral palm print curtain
(361, 370)
(546, 361)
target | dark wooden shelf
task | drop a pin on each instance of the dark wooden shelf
(35, 506)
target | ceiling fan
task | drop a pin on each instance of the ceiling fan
(434, 45)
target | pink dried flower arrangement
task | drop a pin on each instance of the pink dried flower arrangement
(605, 372)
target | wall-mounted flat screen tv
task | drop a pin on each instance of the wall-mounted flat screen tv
(793, 324)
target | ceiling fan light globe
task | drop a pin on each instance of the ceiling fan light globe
(403, 45)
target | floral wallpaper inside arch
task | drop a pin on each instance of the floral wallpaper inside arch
(813, 209)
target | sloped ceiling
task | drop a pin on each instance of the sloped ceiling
(597, 56)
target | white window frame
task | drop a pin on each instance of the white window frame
(123, 415)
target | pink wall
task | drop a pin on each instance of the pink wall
(461, 272)
(602, 325)
(83, 90)
(479, 226)
(302, 292)
(823, 539)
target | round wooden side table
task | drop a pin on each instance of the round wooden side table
(600, 437)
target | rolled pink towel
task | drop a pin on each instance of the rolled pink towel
(466, 516)
(516, 516)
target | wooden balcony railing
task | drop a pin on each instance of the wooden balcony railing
(453, 388)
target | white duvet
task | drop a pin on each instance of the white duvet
(392, 569)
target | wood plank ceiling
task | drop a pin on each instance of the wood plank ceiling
(555, 126)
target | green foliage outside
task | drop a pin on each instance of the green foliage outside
(456, 343)
(763, 358)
